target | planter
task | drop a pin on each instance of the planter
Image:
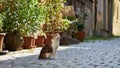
(1, 40)
(29, 42)
(39, 41)
(13, 42)
(81, 36)
(48, 38)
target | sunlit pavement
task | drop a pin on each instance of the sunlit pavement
(95, 54)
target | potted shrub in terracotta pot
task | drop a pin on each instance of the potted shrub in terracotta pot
(1, 34)
(53, 16)
(12, 25)
(80, 25)
(80, 33)
(33, 17)
(22, 18)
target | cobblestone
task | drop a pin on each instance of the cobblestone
(98, 54)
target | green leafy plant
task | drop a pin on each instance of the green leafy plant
(1, 23)
(80, 26)
(80, 23)
(1, 15)
(22, 15)
(53, 15)
(65, 24)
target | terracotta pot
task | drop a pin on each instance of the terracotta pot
(13, 42)
(29, 42)
(1, 40)
(39, 41)
(47, 40)
(81, 36)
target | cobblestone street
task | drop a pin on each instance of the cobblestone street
(95, 54)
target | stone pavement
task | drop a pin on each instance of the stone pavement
(95, 54)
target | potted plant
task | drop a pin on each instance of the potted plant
(1, 34)
(80, 25)
(80, 33)
(11, 25)
(33, 16)
(22, 17)
(53, 16)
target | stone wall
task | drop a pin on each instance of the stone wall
(89, 23)
(86, 6)
(116, 18)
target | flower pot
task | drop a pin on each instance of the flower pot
(48, 39)
(29, 42)
(81, 36)
(1, 40)
(13, 42)
(39, 41)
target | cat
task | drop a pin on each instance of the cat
(46, 52)
(55, 44)
(50, 50)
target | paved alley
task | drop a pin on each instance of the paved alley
(95, 54)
